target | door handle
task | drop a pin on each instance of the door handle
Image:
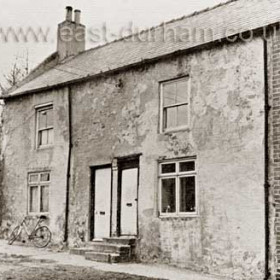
(100, 212)
(129, 204)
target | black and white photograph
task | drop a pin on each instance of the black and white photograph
(140, 140)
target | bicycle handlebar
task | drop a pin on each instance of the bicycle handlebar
(40, 218)
(43, 217)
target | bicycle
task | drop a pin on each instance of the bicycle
(40, 235)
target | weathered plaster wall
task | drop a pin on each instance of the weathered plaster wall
(226, 134)
(21, 156)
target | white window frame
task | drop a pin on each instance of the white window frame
(177, 175)
(177, 128)
(39, 184)
(40, 108)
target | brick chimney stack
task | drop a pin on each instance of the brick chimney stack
(70, 35)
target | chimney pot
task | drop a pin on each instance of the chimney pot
(77, 16)
(69, 10)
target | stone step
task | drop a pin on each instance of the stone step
(103, 257)
(121, 240)
(103, 247)
(80, 251)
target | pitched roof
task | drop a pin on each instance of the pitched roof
(233, 17)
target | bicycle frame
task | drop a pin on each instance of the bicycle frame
(24, 226)
(40, 235)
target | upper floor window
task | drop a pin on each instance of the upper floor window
(178, 189)
(38, 192)
(175, 104)
(44, 126)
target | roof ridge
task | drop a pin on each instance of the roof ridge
(195, 13)
(233, 13)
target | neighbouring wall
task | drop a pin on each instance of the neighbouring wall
(274, 152)
(21, 156)
(1, 168)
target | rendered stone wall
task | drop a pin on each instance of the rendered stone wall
(226, 134)
(21, 156)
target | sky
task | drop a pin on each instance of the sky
(116, 15)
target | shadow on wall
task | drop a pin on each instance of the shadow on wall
(80, 233)
(148, 249)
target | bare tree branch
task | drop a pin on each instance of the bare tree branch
(16, 74)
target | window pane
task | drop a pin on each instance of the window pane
(45, 177)
(42, 119)
(33, 199)
(182, 91)
(187, 194)
(43, 137)
(187, 166)
(49, 117)
(170, 117)
(168, 168)
(168, 195)
(182, 115)
(44, 200)
(50, 136)
(169, 94)
(33, 178)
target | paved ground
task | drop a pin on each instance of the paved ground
(28, 263)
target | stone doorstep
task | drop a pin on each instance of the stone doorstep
(105, 257)
(109, 248)
(79, 251)
(122, 250)
(121, 240)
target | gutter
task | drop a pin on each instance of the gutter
(266, 164)
(68, 173)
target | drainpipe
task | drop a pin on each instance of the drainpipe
(68, 174)
(266, 163)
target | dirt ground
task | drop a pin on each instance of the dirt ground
(15, 267)
(24, 262)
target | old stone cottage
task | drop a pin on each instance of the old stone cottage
(170, 137)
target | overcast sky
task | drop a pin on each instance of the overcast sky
(116, 14)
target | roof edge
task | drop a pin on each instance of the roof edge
(257, 32)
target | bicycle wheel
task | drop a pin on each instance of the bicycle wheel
(42, 237)
(14, 235)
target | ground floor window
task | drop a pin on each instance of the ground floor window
(178, 187)
(38, 192)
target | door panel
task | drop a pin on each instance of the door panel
(129, 185)
(102, 203)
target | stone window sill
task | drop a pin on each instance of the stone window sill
(178, 217)
(46, 147)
